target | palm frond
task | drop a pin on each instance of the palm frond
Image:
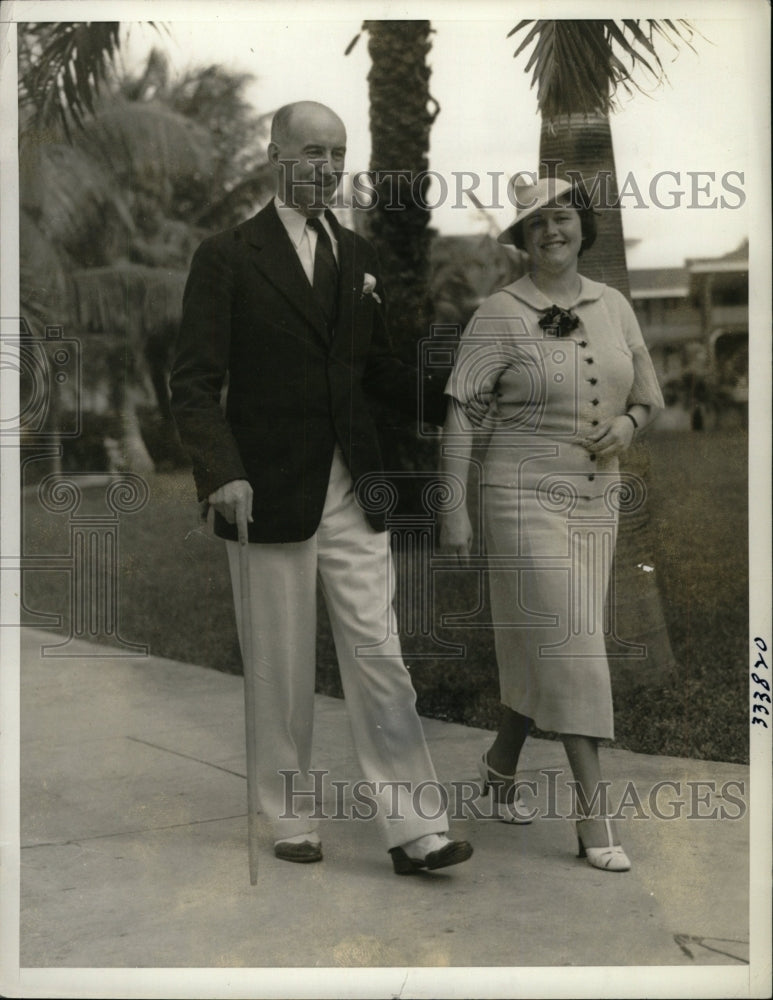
(634, 49)
(43, 292)
(70, 62)
(76, 204)
(675, 32)
(148, 146)
(578, 65)
(207, 93)
(640, 37)
(517, 28)
(127, 299)
(538, 28)
(356, 38)
(583, 69)
(241, 201)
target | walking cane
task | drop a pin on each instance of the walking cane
(249, 702)
(248, 665)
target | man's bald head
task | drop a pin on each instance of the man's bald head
(293, 116)
(307, 149)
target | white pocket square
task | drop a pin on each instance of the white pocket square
(369, 287)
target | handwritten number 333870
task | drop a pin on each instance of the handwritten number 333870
(763, 696)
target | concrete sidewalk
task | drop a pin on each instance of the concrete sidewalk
(133, 837)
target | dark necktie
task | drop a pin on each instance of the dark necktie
(325, 282)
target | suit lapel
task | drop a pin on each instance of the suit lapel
(278, 261)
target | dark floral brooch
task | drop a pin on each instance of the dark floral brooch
(559, 322)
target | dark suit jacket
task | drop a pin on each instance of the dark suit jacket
(295, 388)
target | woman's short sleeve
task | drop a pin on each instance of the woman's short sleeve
(480, 359)
(645, 389)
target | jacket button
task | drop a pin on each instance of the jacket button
(595, 402)
(583, 343)
(591, 477)
(593, 458)
(594, 423)
(593, 381)
(589, 361)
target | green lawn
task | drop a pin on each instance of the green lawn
(699, 511)
(174, 596)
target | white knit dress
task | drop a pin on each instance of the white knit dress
(550, 508)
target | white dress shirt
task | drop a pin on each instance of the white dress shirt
(302, 238)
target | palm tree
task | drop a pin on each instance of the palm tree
(578, 68)
(83, 201)
(402, 111)
(120, 178)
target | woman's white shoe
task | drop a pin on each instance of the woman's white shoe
(610, 858)
(513, 811)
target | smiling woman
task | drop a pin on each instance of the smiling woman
(553, 374)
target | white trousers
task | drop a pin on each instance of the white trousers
(353, 564)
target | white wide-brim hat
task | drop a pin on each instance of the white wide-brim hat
(529, 197)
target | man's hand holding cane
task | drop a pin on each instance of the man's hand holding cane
(234, 502)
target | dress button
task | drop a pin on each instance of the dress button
(593, 381)
(583, 343)
(594, 423)
(591, 477)
(595, 402)
(593, 458)
(589, 361)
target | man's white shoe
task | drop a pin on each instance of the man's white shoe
(303, 848)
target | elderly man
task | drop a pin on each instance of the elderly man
(288, 306)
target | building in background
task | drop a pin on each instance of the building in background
(695, 320)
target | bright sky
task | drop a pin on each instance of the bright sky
(705, 119)
(712, 117)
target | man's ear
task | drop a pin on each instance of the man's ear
(273, 154)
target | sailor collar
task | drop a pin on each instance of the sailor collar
(525, 290)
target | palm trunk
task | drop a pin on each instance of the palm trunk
(400, 122)
(583, 143)
(135, 455)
